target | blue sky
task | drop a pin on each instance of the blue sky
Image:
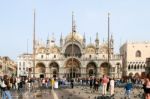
(130, 21)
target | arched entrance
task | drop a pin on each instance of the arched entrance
(105, 68)
(91, 69)
(40, 69)
(72, 68)
(54, 69)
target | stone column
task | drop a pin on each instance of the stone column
(83, 72)
(61, 72)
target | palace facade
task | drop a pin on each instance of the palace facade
(7, 66)
(134, 58)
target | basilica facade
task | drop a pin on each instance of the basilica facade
(73, 58)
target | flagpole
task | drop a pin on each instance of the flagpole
(34, 46)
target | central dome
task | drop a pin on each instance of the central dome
(76, 37)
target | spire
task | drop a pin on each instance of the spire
(73, 23)
(61, 36)
(53, 38)
(97, 41)
(97, 36)
(61, 41)
(84, 41)
(84, 37)
(90, 41)
(47, 40)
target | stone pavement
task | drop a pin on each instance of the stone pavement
(85, 93)
(79, 92)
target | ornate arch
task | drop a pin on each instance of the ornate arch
(72, 68)
(40, 68)
(91, 69)
(54, 68)
(73, 47)
(105, 68)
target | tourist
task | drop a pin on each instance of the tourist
(91, 82)
(128, 88)
(147, 96)
(105, 80)
(72, 83)
(6, 88)
(112, 84)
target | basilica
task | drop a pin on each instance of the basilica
(72, 58)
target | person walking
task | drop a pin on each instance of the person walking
(112, 84)
(6, 88)
(128, 88)
(147, 95)
(104, 84)
(72, 83)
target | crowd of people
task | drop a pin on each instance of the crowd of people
(104, 84)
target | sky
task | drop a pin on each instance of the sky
(129, 21)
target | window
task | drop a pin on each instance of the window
(27, 69)
(138, 54)
(90, 56)
(23, 63)
(135, 67)
(129, 67)
(42, 56)
(138, 67)
(19, 63)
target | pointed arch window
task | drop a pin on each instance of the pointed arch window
(138, 67)
(138, 53)
(135, 67)
(129, 67)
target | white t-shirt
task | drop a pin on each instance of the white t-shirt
(112, 83)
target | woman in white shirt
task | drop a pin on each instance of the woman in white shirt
(112, 84)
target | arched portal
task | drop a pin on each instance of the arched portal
(91, 69)
(40, 69)
(75, 48)
(54, 69)
(105, 68)
(72, 68)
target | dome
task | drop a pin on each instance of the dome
(54, 49)
(41, 50)
(76, 36)
(90, 49)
